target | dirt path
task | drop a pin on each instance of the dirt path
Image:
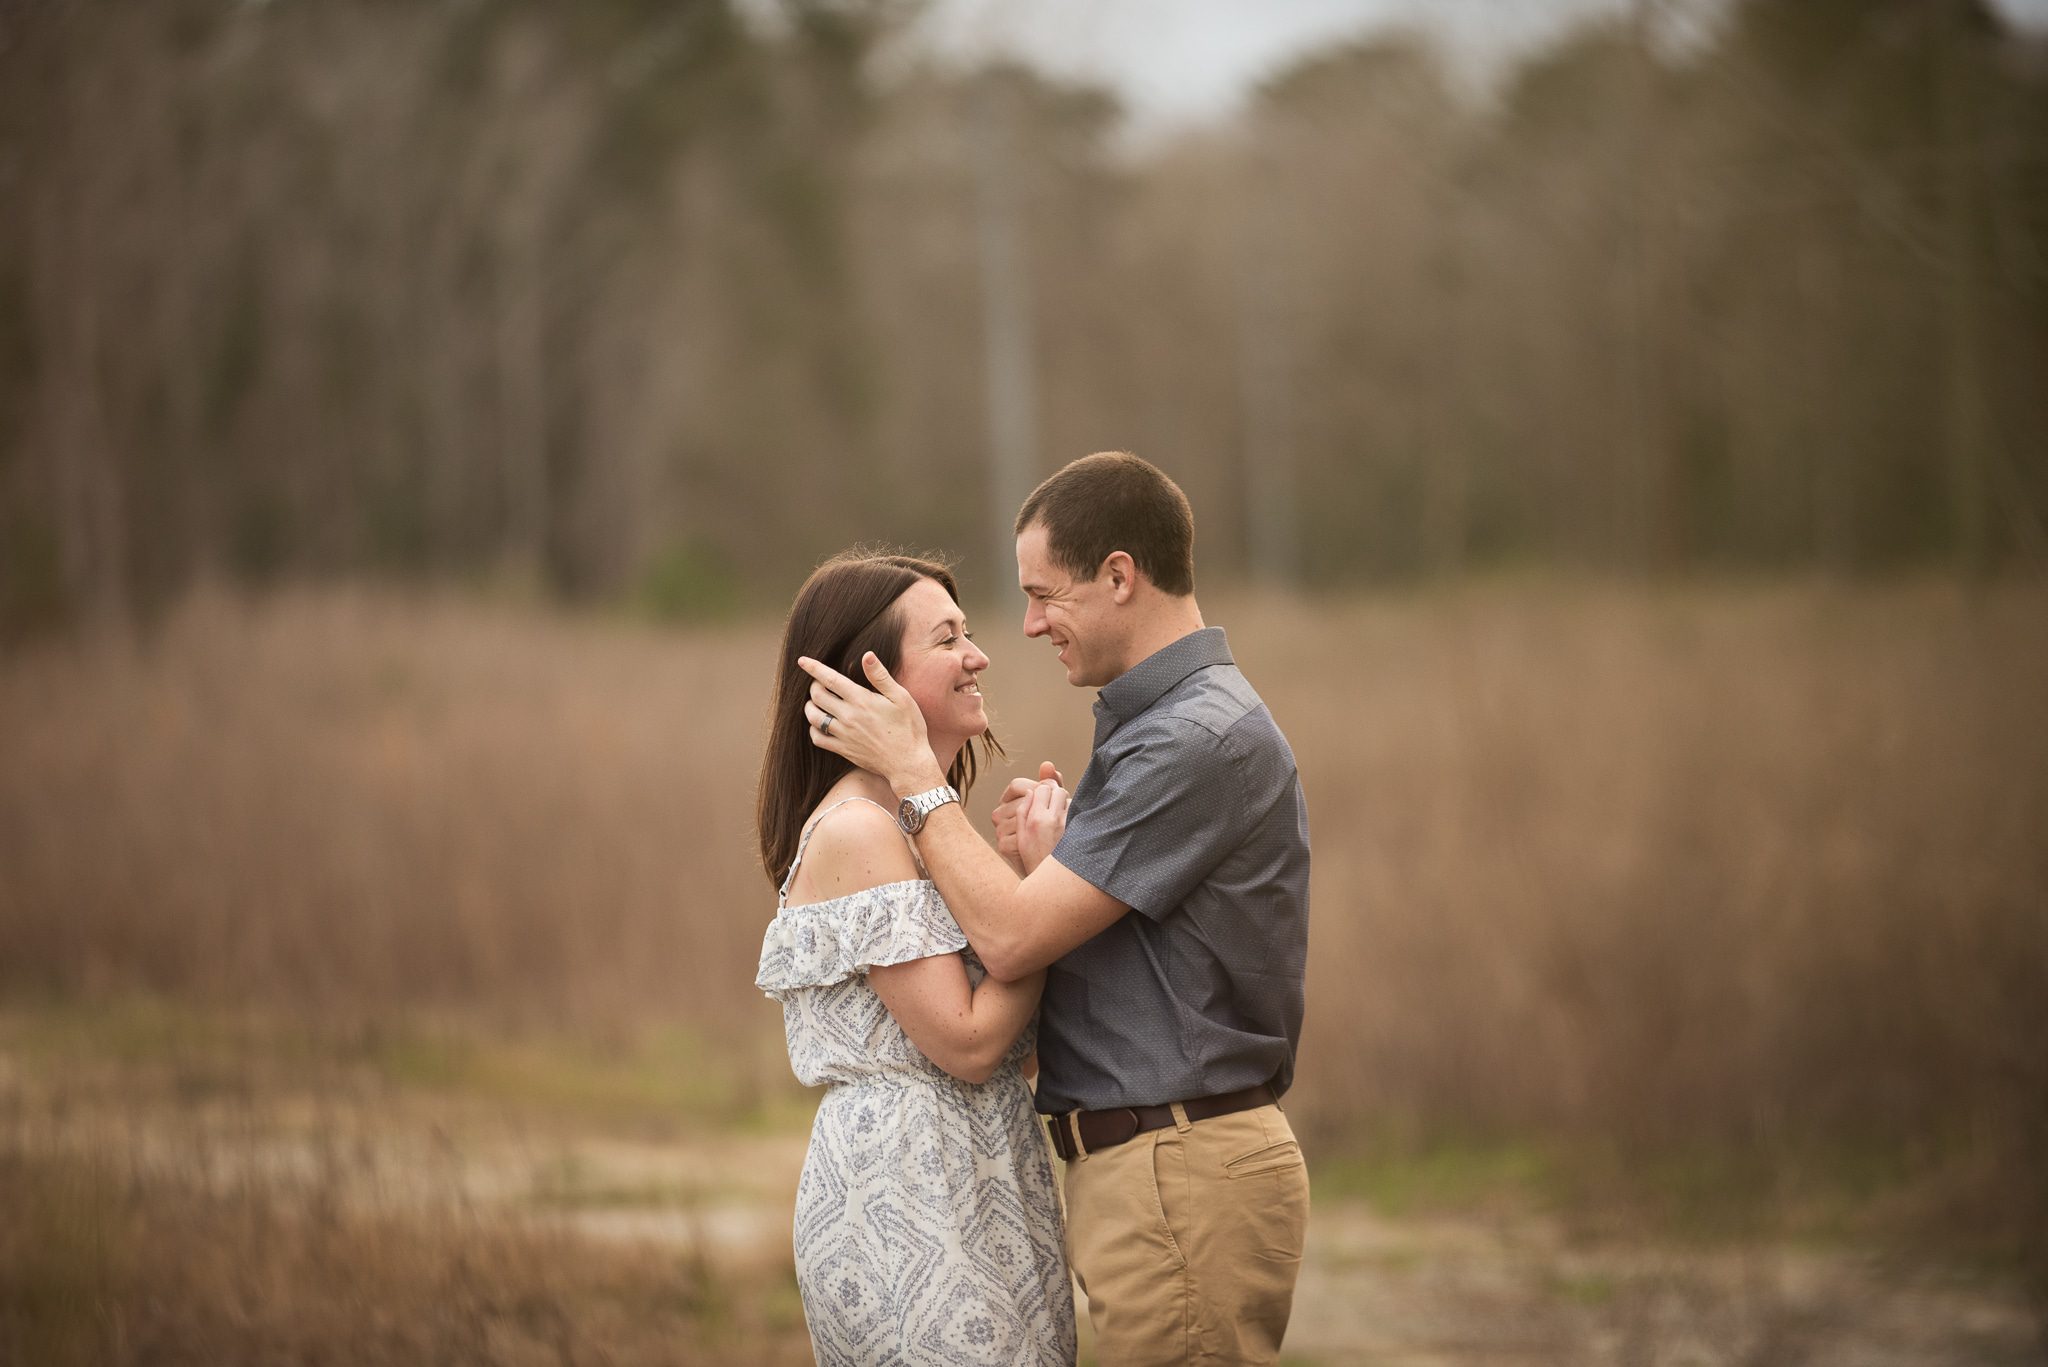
(1433, 1291)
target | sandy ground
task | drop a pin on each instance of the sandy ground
(1509, 1290)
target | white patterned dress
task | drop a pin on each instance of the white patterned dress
(927, 1228)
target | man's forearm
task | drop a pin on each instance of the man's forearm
(981, 890)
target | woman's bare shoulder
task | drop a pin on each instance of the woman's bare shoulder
(855, 845)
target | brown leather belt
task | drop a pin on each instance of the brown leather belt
(1107, 1129)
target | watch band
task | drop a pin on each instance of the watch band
(912, 811)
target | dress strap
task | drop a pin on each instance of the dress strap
(804, 842)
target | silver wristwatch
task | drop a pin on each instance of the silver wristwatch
(911, 812)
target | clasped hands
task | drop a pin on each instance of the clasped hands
(1030, 818)
(881, 730)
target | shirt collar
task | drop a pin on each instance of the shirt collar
(1149, 680)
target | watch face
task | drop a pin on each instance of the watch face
(912, 811)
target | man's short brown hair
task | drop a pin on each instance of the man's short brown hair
(1113, 501)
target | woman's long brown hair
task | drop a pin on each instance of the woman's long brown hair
(846, 608)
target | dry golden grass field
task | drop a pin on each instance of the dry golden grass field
(375, 979)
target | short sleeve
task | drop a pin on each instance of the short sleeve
(828, 942)
(1166, 815)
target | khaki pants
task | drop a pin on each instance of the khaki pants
(1187, 1240)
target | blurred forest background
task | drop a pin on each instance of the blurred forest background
(1626, 479)
(632, 298)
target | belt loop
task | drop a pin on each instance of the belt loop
(1073, 1119)
(1180, 1118)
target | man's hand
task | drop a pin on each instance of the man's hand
(1008, 815)
(1043, 819)
(880, 730)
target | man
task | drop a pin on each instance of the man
(1168, 901)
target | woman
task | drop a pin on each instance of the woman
(927, 1229)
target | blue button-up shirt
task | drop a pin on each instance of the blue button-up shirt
(1191, 814)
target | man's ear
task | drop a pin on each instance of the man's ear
(1123, 575)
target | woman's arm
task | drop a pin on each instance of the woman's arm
(963, 1029)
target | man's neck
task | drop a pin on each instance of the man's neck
(1172, 619)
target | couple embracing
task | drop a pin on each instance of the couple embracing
(1147, 936)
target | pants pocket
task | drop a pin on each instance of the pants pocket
(1173, 1180)
(1169, 1193)
(1266, 1158)
(1241, 1213)
(1126, 1219)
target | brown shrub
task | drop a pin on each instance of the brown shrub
(1760, 868)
